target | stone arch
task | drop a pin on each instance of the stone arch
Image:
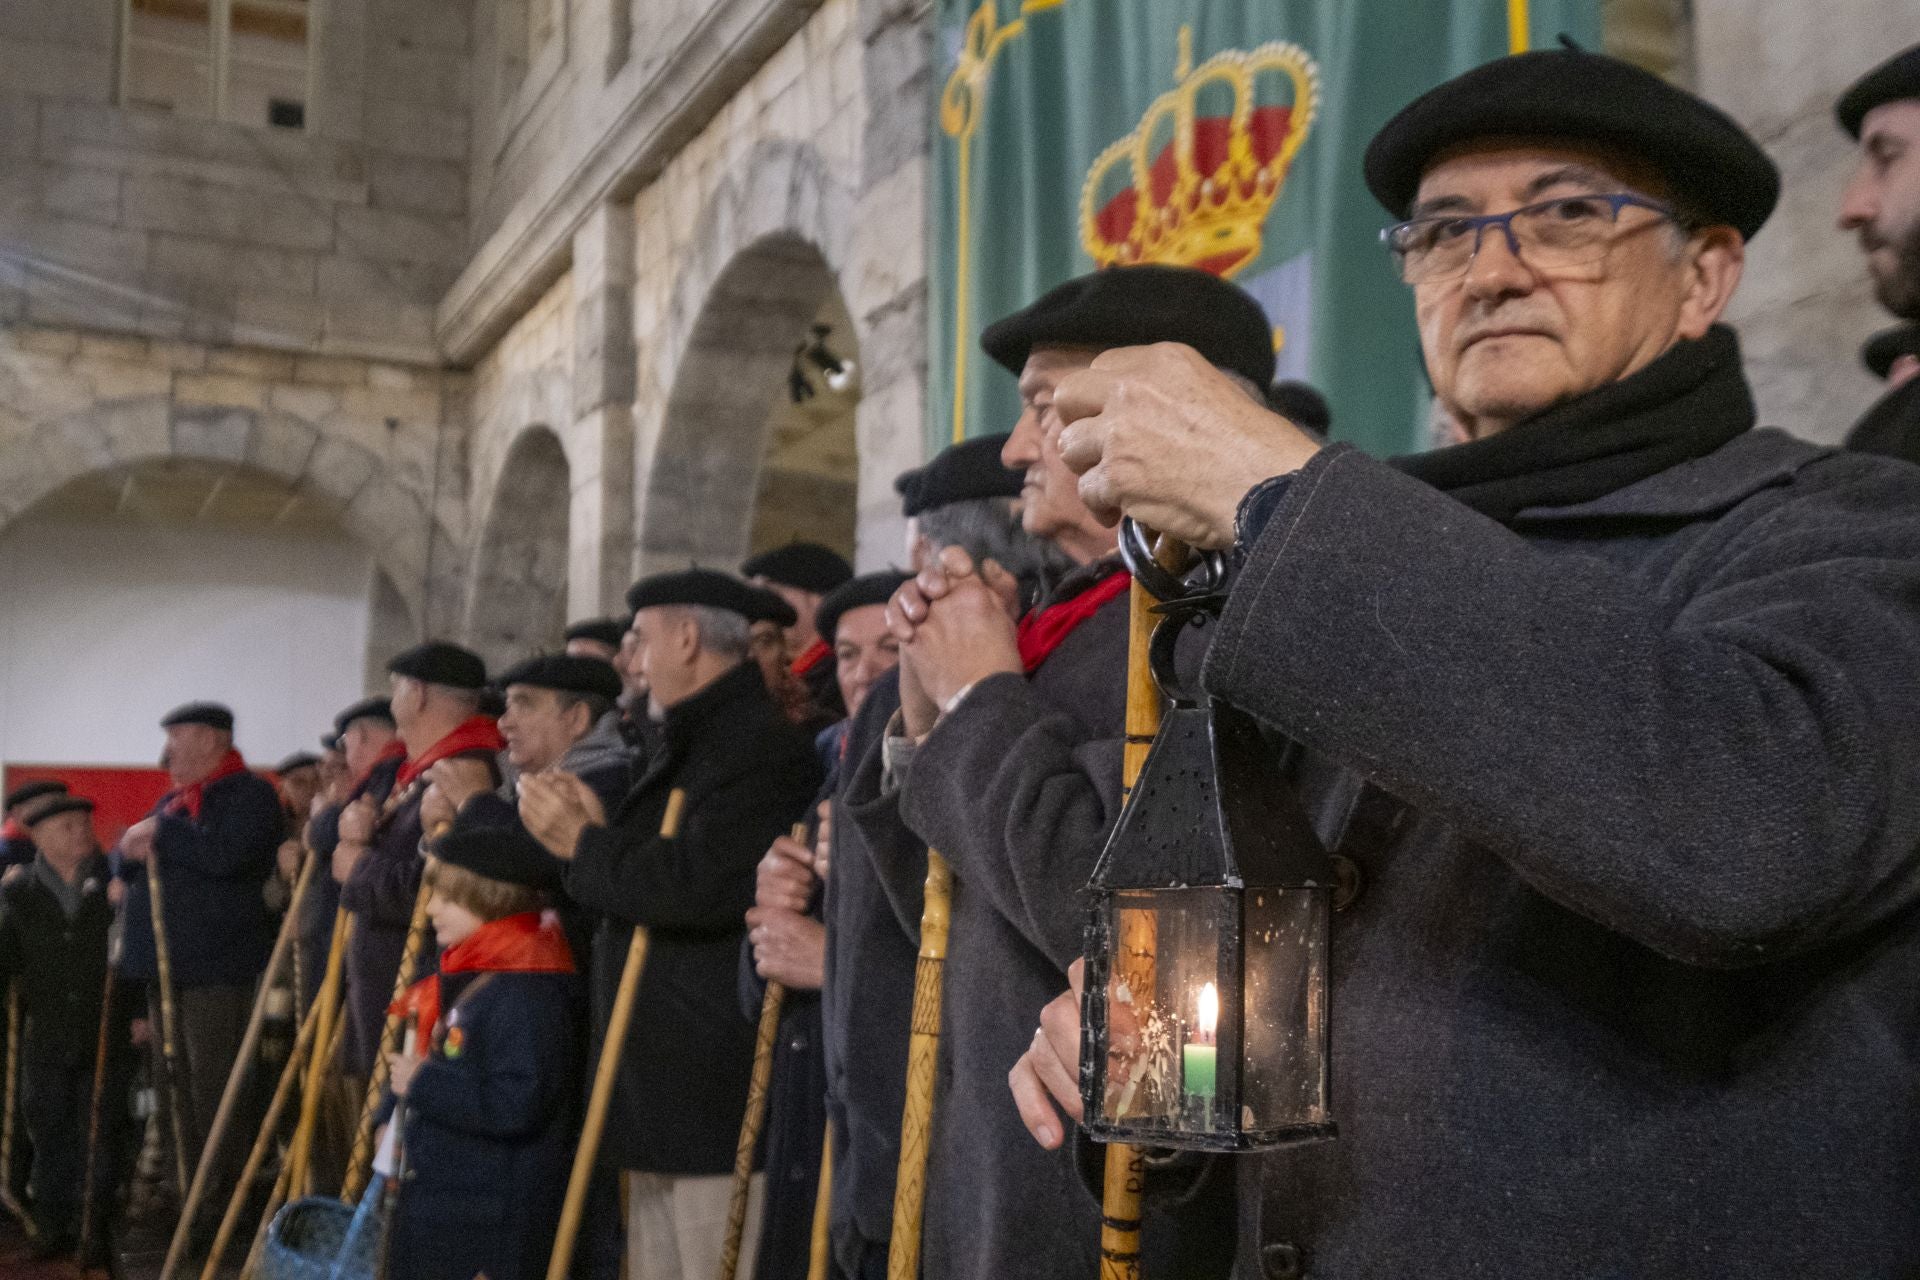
(345, 476)
(517, 597)
(775, 240)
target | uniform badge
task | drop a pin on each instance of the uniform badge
(455, 1042)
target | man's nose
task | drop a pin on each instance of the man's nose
(1497, 267)
(1859, 203)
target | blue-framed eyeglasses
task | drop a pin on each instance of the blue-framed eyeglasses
(1569, 231)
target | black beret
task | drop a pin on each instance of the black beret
(855, 593)
(1301, 404)
(568, 675)
(380, 709)
(28, 791)
(805, 565)
(1888, 345)
(1898, 77)
(608, 631)
(54, 808)
(1133, 306)
(298, 760)
(970, 469)
(714, 590)
(438, 662)
(1714, 168)
(210, 714)
(505, 854)
(331, 742)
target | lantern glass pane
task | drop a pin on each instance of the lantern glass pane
(1171, 1062)
(1286, 1031)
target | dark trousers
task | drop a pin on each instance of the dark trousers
(853, 1257)
(57, 1106)
(210, 1023)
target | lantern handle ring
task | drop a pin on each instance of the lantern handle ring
(1208, 577)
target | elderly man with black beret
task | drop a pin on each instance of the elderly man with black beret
(1006, 758)
(677, 857)
(1881, 205)
(434, 699)
(802, 573)
(210, 841)
(1616, 706)
(16, 839)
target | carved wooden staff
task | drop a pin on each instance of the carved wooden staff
(284, 1180)
(756, 1113)
(923, 1047)
(169, 1037)
(362, 1158)
(7, 1201)
(236, 1078)
(328, 1001)
(604, 1075)
(821, 1248)
(95, 1107)
(261, 1145)
(1124, 1181)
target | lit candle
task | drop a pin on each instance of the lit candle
(1199, 1056)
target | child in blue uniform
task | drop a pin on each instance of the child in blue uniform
(487, 1106)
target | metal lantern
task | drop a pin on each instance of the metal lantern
(1205, 1018)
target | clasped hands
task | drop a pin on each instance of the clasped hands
(956, 624)
(556, 807)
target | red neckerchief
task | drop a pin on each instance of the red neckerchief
(1044, 630)
(394, 750)
(187, 799)
(817, 652)
(531, 942)
(477, 733)
(12, 829)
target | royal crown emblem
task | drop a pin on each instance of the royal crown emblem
(1205, 164)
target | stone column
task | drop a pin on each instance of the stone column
(600, 559)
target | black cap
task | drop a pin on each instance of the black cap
(30, 791)
(970, 469)
(714, 590)
(210, 714)
(1896, 78)
(54, 808)
(868, 588)
(506, 854)
(331, 742)
(1888, 345)
(607, 631)
(1715, 169)
(1301, 404)
(438, 662)
(1133, 306)
(380, 709)
(807, 566)
(298, 760)
(568, 675)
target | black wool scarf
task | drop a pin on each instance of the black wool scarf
(1689, 402)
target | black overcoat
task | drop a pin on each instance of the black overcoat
(748, 776)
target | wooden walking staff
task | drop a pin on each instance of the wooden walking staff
(102, 1050)
(604, 1075)
(820, 1249)
(923, 1047)
(756, 1113)
(236, 1078)
(362, 1158)
(262, 1144)
(328, 1001)
(169, 1036)
(7, 1201)
(1124, 1183)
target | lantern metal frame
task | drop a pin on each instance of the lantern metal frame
(1210, 814)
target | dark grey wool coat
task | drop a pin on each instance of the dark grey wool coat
(1633, 986)
(1017, 787)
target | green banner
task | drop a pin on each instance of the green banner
(1223, 134)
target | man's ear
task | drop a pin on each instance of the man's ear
(1716, 257)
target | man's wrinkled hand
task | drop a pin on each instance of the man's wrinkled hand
(965, 632)
(1046, 1079)
(359, 820)
(1159, 434)
(557, 808)
(785, 877)
(788, 947)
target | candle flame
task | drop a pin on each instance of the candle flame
(1209, 1011)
